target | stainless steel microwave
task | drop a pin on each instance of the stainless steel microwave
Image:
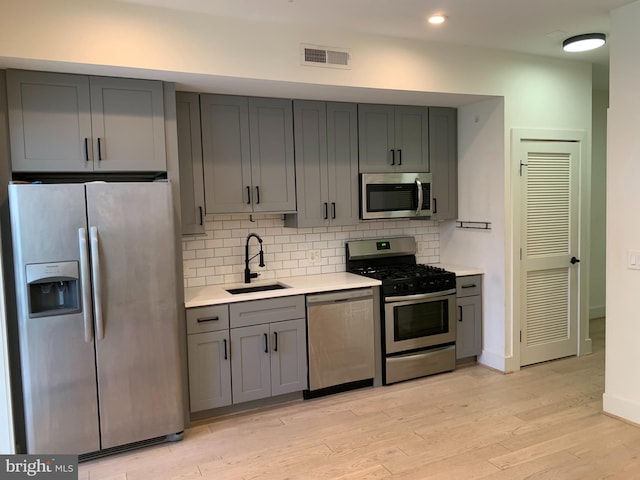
(395, 195)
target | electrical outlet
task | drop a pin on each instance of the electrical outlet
(314, 256)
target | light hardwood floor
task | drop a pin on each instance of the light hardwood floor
(544, 422)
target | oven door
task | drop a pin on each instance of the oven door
(419, 321)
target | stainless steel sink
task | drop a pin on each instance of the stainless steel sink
(257, 288)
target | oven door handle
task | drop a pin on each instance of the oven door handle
(420, 296)
(420, 197)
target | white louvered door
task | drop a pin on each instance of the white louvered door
(550, 238)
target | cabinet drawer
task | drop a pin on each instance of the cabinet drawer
(207, 319)
(257, 312)
(468, 285)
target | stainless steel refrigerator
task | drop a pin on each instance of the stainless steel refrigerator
(97, 314)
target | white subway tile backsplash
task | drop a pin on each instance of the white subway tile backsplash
(218, 257)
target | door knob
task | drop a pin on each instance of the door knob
(574, 260)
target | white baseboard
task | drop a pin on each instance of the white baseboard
(493, 360)
(621, 407)
(596, 312)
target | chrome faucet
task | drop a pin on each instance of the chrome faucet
(247, 272)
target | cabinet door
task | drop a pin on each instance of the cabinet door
(250, 363)
(127, 120)
(209, 370)
(272, 165)
(190, 163)
(288, 356)
(376, 130)
(342, 163)
(469, 327)
(49, 122)
(411, 139)
(443, 158)
(310, 120)
(226, 154)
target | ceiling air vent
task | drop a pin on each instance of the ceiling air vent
(325, 56)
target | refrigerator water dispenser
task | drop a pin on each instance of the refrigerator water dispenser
(53, 289)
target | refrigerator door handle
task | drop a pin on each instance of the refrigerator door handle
(95, 277)
(85, 285)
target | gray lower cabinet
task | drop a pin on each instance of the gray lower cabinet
(326, 145)
(208, 355)
(247, 148)
(469, 327)
(268, 348)
(190, 163)
(77, 123)
(443, 161)
(393, 138)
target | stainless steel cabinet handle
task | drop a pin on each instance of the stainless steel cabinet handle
(85, 283)
(95, 276)
(208, 319)
(201, 216)
(275, 348)
(399, 156)
(460, 311)
(393, 157)
(471, 285)
(86, 150)
(325, 208)
(420, 197)
(257, 194)
(333, 210)
(266, 343)
(248, 195)
(225, 349)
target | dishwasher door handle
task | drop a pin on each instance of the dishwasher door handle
(343, 296)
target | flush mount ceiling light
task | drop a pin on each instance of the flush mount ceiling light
(582, 43)
(438, 19)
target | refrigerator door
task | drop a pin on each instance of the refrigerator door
(56, 348)
(138, 366)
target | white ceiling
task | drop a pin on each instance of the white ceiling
(527, 26)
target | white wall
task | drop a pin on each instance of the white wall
(622, 389)
(235, 56)
(597, 280)
(482, 199)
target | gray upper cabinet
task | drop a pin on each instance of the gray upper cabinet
(443, 155)
(190, 163)
(75, 123)
(247, 148)
(326, 148)
(393, 138)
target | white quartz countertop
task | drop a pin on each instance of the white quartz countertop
(460, 270)
(217, 294)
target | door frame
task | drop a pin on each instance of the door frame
(584, 201)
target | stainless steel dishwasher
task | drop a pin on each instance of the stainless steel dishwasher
(341, 337)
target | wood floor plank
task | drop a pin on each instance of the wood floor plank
(543, 422)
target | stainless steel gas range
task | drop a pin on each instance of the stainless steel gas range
(417, 309)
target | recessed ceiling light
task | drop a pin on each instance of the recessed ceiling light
(582, 43)
(438, 19)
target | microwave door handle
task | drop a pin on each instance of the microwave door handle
(420, 198)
